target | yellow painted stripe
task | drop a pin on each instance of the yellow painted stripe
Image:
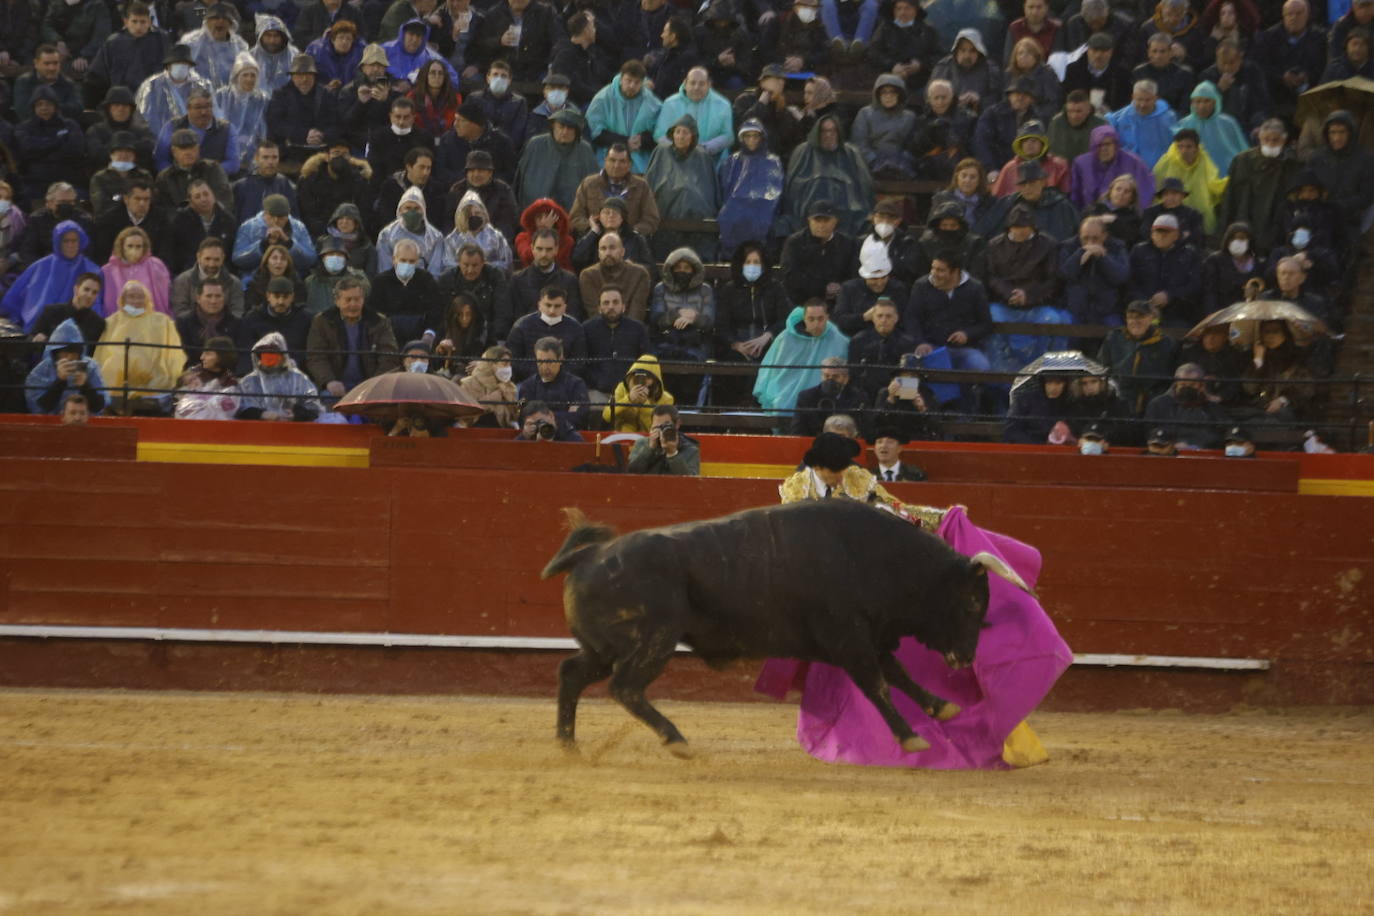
(1317, 486)
(293, 455)
(741, 469)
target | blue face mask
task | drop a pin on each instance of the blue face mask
(119, 165)
(752, 272)
(420, 366)
(1089, 447)
(1235, 451)
(1301, 238)
(903, 25)
(405, 270)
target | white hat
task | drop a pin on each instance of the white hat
(873, 259)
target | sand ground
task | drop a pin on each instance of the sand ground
(253, 803)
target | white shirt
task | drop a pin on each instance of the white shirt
(885, 469)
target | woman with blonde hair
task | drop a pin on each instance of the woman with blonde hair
(969, 189)
(1028, 59)
(132, 258)
(1120, 206)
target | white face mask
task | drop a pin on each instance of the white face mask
(133, 311)
(1235, 451)
(180, 72)
(5, 207)
(420, 366)
(1238, 247)
(1270, 152)
(120, 165)
(498, 85)
(1089, 447)
(556, 97)
(1301, 238)
(884, 230)
(334, 263)
(550, 320)
(807, 14)
(401, 131)
(503, 373)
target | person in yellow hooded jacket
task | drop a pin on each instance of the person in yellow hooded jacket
(146, 342)
(635, 398)
(1187, 160)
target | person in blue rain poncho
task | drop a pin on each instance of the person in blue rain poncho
(625, 109)
(216, 44)
(751, 183)
(64, 370)
(276, 389)
(793, 360)
(50, 279)
(163, 97)
(409, 50)
(1221, 134)
(243, 103)
(273, 52)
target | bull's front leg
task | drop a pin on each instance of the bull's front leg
(899, 677)
(867, 677)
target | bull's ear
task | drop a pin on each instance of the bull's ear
(983, 562)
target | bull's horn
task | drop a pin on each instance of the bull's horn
(996, 564)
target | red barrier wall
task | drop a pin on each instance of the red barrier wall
(457, 551)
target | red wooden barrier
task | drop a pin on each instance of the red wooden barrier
(55, 441)
(457, 551)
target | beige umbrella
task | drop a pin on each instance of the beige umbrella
(1244, 319)
(393, 394)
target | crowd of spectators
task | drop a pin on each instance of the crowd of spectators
(246, 209)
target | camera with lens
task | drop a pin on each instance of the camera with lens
(667, 433)
(545, 430)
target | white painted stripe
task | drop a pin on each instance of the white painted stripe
(426, 640)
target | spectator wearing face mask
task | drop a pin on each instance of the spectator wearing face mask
(490, 385)
(1185, 411)
(329, 181)
(325, 275)
(276, 389)
(1259, 180)
(143, 358)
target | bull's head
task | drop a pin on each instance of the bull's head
(971, 613)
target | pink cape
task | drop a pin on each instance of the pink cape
(1020, 656)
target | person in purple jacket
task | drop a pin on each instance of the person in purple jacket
(1105, 159)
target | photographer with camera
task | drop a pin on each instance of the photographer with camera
(538, 423)
(833, 395)
(666, 450)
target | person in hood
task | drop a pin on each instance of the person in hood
(489, 384)
(947, 229)
(554, 164)
(472, 225)
(1346, 169)
(905, 45)
(806, 340)
(1105, 160)
(332, 267)
(1187, 166)
(133, 259)
(48, 146)
(1258, 184)
(338, 52)
(129, 56)
(682, 310)
(118, 115)
(751, 186)
(274, 52)
(636, 396)
(1146, 126)
(276, 389)
(1037, 407)
(51, 278)
(625, 111)
(412, 222)
(140, 354)
(725, 45)
(977, 81)
(410, 50)
(884, 130)
(545, 213)
(64, 370)
(1312, 230)
(827, 168)
(712, 114)
(1000, 123)
(163, 97)
(243, 103)
(1219, 133)
(682, 176)
(1355, 59)
(345, 227)
(216, 44)
(1032, 145)
(1227, 273)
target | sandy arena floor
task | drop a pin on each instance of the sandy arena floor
(250, 803)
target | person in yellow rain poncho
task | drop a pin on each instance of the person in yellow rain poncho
(1186, 159)
(632, 406)
(982, 723)
(152, 370)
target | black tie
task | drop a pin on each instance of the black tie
(827, 492)
(889, 475)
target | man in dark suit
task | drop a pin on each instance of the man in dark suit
(887, 452)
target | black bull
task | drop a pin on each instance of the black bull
(832, 581)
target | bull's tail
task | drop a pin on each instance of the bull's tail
(582, 535)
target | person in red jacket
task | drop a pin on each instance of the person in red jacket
(545, 213)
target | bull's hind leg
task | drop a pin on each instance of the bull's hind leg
(633, 674)
(867, 676)
(575, 674)
(899, 677)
